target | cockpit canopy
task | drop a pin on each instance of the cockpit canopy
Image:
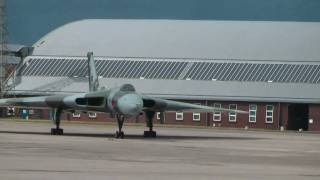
(127, 88)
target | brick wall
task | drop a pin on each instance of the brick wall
(280, 116)
(314, 114)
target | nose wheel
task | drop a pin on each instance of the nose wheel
(120, 120)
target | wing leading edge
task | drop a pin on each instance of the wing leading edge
(87, 102)
(39, 102)
(158, 104)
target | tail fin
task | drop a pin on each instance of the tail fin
(93, 77)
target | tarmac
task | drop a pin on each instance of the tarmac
(89, 151)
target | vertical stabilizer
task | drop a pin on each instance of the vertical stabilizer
(93, 77)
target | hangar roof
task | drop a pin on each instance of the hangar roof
(176, 78)
(252, 40)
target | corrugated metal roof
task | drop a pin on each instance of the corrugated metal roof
(177, 79)
(176, 69)
(251, 40)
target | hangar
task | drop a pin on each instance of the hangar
(270, 69)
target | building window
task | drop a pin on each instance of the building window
(10, 111)
(252, 113)
(269, 114)
(92, 115)
(232, 115)
(217, 115)
(158, 115)
(76, 114)
(179, 116)
(31, 111)
(196, 116)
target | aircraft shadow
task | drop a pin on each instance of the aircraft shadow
(138, 136)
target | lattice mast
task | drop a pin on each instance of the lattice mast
(3, 44)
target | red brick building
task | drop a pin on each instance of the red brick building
(261, 115)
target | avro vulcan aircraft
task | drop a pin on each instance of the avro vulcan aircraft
(122, 102)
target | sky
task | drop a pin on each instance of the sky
(29, 20)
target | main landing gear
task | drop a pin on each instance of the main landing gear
(56, 119)
(120, 120)
(149, 118)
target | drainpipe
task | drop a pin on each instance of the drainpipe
(207, 122)
(279, 116)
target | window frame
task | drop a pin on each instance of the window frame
(216, 114)
(76, 114)
(266, 120)
(92, 116)
(232, 115)
(158, 116)
(179, 113)
(196, 114)
(255, 113)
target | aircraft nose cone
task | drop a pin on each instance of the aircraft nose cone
(130, 104)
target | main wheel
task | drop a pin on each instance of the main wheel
(117, 135)
(149, 134)
(55, 131)
(145, 133)
(60, 131)
(121, 134)
(153, 134)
